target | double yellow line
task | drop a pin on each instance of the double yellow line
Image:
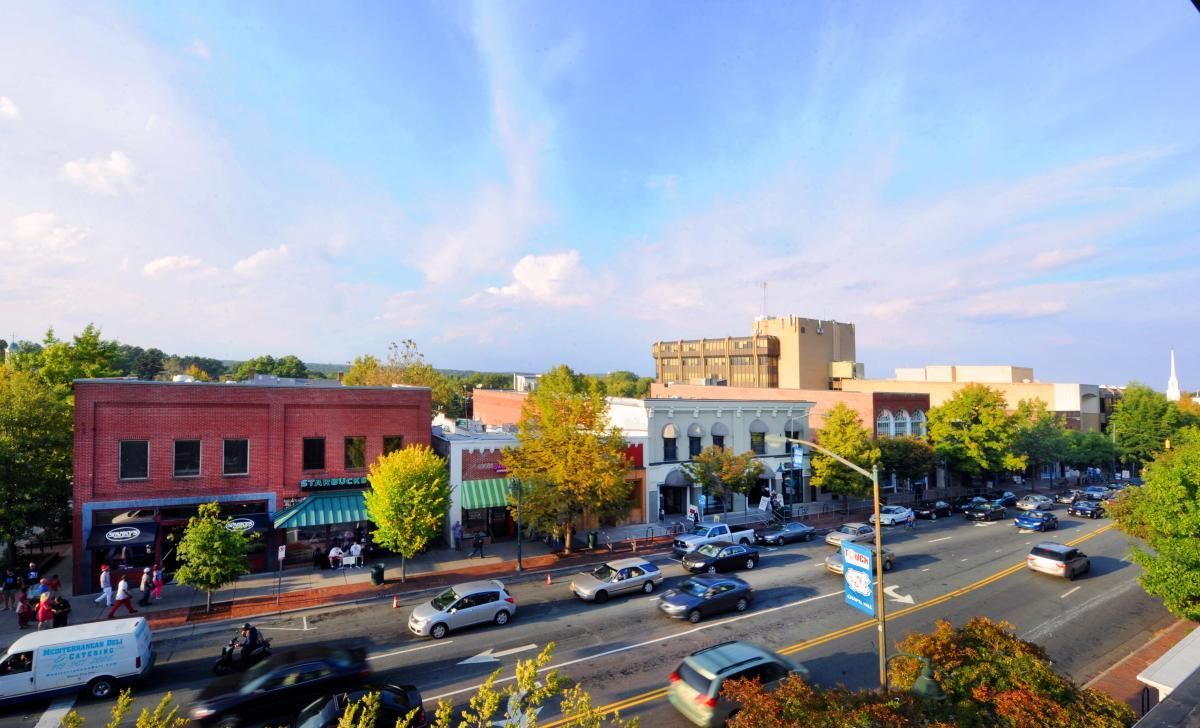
(845, 631)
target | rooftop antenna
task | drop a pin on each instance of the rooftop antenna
(763, 285)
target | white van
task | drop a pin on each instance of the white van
(93, 658)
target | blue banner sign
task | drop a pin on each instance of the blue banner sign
(858, 574)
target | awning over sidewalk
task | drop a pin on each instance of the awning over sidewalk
(486, 493)
(324, 509)
(116, 535)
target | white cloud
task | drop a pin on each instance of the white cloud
(260, 262)
(8, 108)
(106, 175)
(199, 49)
(37, 237)
(554, 280)
(175, 264)
(1062, 256)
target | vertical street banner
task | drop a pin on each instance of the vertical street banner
(857, 572)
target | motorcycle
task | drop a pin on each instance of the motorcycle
(231, 660)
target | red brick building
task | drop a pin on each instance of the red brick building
(287, 459)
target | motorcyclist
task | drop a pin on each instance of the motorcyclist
(251, 640)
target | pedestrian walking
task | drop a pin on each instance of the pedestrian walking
(54, 584)
(62, 611)
(158, 579)
(122, 599)
(146, 585)
(9, 589)
(105, 587)
(33, 575)
(45, 613)
(662, 515)
(912, 519)
(457, 533)
(477, 545)
(24, 611)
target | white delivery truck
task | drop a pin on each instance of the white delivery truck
(93, 658)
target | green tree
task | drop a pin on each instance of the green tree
(164, 715)
(1090, 450)
(288, 366)
(211, 554)
(1165, 513)
(149, 364)
(909, 458)
(408, 500)
(36, 441)
(570, 466)
(1039, 435)
(1143, 420)
(973, 432)
(844, 434)
(722, 472)
(86, 356)
(406, 364)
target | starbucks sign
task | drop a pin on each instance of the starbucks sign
(324, 483)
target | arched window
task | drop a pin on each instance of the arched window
(900, 428)
(793, 430)
(670, 435)
(695, 439)
(918, 423)
(719, 433)
(758, 437)
(883, 424)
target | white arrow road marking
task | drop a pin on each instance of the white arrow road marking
(985, 523)
(55, 712)
(896, 596)
(410, 649)
(490, 655)
(944, 538)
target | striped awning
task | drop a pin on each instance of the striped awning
(486, 493)
(324, 509)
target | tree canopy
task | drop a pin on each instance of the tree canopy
(1090, 450)
(844, 434)
(36, 440)
(1142, 421)
(1039, 436)
(570, 466)
(288, 366)
(973, 432)
(1165, 513)
(909, 457)
(722, 472)
(408, 500)
(211, 555)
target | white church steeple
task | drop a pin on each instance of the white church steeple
(1173, 382)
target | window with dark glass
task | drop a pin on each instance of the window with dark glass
(187, 458)
(758, 443)
(669, 453)
(314, 453)
(392, 443)
(356, 453)
(135, 460)
(719, 442)
(694, 446)
(236, 457)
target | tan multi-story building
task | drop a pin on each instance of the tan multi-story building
(789, 353)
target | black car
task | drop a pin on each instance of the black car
(1005, 498)
(721, 556)
(987, 512)
(964, 503)
(704, 596)
(280, 685)
(1087, 508)
(787, 533)
(932, 510)
(395, 704)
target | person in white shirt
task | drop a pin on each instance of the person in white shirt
(105, 587)
(335, 557)
(356, 554)
(122, 599)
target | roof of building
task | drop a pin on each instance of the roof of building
(273, 382)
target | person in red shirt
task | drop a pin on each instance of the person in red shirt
(45, 612)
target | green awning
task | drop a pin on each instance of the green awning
(324, 509)
(486, 493)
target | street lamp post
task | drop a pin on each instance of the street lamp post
(517, 485)
(873, 474)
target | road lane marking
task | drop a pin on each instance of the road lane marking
(845, 631)
(1069, 593)
(410, 649)
(944, 538)
(55, 712)
(963, 559)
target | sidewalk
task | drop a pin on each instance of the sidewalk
(1120, 680)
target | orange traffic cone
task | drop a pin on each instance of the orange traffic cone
(395, 601)
(547, 578)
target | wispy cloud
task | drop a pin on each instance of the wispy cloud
(556, 280)
(8, 108)
(171, 264)
(261, 262)
(1061, 257)
(107, 175)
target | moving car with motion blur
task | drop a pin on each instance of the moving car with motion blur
(695, 686)
(463, 605)
(704, 596)
(1005, 498)
(1034, 502)
(719, 556)
(785, 533)
(1086, 508)
(986, 512)
(1036, 521)
(624, 576)
(852, 532)
(396, 704)
(891, 515)
(835, 562)
(1068, 496)
(933, 510)
(1058, 559)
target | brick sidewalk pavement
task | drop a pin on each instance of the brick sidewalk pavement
(1120, 680)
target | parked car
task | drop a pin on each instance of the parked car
(1035, 503)
(933, 510)
(1087, 508)
(395, 703)
(986, 512)
(463, 605)
(891, 515)
(695, 687)
(1068, 496)
(786, 533)
(1096, 492)
(835, 562)
(1005, 498)
(624, 576)
(721, 556)
(706, 595)
(1036, 520)
(280, 685)
(853, 532)
(967, 503)
(1057, 559)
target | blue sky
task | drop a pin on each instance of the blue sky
(515, 185)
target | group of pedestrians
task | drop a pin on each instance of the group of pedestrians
(477, 540)
(33, 597)
(151, 587)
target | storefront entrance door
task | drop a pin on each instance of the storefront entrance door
(673, 499)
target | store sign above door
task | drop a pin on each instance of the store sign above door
(327, 483)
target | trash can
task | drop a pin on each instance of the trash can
(592, 539)
(376, 574)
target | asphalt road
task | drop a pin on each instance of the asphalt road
(622, 651)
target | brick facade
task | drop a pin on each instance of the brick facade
(497, 407)
(273, 417)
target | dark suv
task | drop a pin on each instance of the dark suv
(695, 688)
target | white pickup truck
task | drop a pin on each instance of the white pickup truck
(703, 533)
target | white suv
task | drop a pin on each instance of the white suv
(1056, 559)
